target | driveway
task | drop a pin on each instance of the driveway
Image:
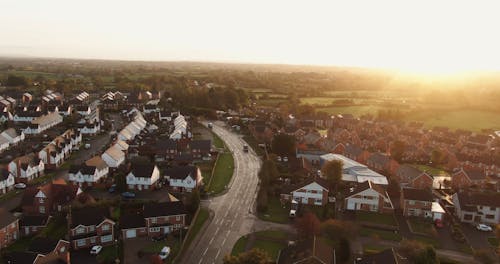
(82, 257)
(132, 246)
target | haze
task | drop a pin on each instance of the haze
(419, 36)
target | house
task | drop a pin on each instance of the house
(89, 128)
(142, 176)
(84, 175)
(356, 153)
(4, 143)
(9, 228)
(465, 178)
(368, 196)
(410, 176)
(313, 191)
(32, 224)
(26, 168)
(183, 178)
(353, 171)
(419, 202)
(199, 148)
(5, 116)
(48, 198)
(313, 250)
(382, 163)
(45, 122)
(90, 226)
(12, 136)
(476, 207)
(388, 256)
(101, 166)
(7, 181)
(113, 156)
(42, 251)
(155, 219)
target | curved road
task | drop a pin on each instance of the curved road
(233, 210)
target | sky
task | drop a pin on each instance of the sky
(421, 36)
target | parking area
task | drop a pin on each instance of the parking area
(477, 239)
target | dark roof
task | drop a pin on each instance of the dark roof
(417, 194)
(388, 256)
(353, 150)
(368, 185)
(34, 220)
(88, 216)
(132, 220)
(42, 245)
(379, 158)
(20, 257)
(475, 175)
(181, 172)
(476, 198)
(142, 170)
(4, 174)
(164, 209)
(163, 144)
(201, 144)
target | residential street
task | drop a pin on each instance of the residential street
(233, 210)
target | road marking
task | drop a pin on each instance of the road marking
(232, 223)
(217, 231)
(199, 262)
(223, 241)
(205, 252)
(211, 240)
(227, 234)
(218, 252)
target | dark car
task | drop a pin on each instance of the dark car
(128, 195)
(159, 238)
(112, 189)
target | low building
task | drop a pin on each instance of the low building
(26, 168)
(113, 157)
(312, 192)
(476, 207)
(368, 196)
(465, 178)
(420, 203)
(90, 226)
(143, 177)
(9, 228)
(355, 172)
(183, 178)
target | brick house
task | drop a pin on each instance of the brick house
(368, 196)
(465, 178)
(356, 153)
(410, 176)
(199, 148)
(312, 192)
(9, 228)
(90, 226)
(42, 251)
(48, 198)
(419, 202)
(154, 219)
(382, 163)
(32, 224)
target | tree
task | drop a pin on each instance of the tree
(194, 201)
(254, 256)
(13, 80)
(332, 171)
(308, 225)
(418, 253)
(283, 145)
(397, 150)
(437, 157)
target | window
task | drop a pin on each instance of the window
(40, 200)
(153, 220)
(107, 238)
(42, 209)
(177, 218)
(91, 228)
(411, 202)
(105, 228)
(488, 216)
(318, 201)
(80, 230)
(81, 242)
(62, 249)
(493, 208)
(154, 229)
(92, 240)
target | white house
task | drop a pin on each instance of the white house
(26, 168)
(85, 175)
(476, 207)
(183, 178)
(12, 136)
(368, 196)
(6, 181)
(4, 143)
(90, 129)
(313, 192)
(113, 156)
(143, 177)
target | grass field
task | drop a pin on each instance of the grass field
(356, 110)
(240, 245)
(275, 212)
(218, 143)
(376, 218)
(271, 241)
(422, 226)
(222, 173)
(473, 120)
(272, 248)
(29, 74)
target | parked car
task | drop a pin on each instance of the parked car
(483, 227)
(128, 195)
(165, 251)
(112, 189)
(95, 250)
(20, 185)
(438, 223)
(159, 238)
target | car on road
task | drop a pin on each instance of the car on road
(483, 227)
(96, 250)
(20, 185)
(245, 148)
(128, 195)
(112, 189)
(165, 251)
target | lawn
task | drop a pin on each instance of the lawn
(56, 229)
(322, 212)
(382, 234)
(108, 254)
(493, 241)
(272, 234)
(240, 245)
(473, 120)
(271, 247)
(428, 241)
(421, 226)
(20, 245)
(276, 212)
(373, 248)
(355, 110)
(222, 174)
(376, 218)
(206, 171)
(218, 143)
(201, 218)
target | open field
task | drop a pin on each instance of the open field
(356, 110)
(29, 74)
(473, 120)
(222, 173)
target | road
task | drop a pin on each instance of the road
(233, 210)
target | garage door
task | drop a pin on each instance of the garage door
(131, 233)
(351, 205)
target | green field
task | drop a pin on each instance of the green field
(376, 218)
(381, 234)
(222, 173)
(355, 110)
(473, 120)
(270, 241)
(276, 212)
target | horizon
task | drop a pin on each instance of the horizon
(413, 38)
